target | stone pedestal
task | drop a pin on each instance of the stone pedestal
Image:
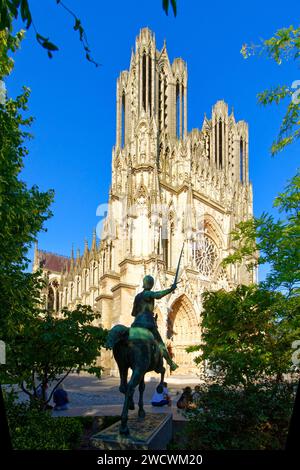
(152, 433)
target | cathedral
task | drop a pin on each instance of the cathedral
(170, 188)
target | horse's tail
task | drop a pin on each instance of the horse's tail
(116, 334)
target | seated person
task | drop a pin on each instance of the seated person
(185, 402)
(197, 395)
(60, 398)
(163, 398)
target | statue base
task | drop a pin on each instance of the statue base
(153, 432)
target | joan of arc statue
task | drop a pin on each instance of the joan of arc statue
(143, 311)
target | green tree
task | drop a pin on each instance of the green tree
(39, 347)
(266, 240)
(49, 347)
(23, 210)
(255, 418)
(284, 45)
(247, 334)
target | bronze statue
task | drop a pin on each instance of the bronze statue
(140, 348)
(143, 307)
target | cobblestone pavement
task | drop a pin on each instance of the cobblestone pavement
(89, 395)
(89, 390)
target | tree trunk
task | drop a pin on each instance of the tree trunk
(4, 430)
(293, 438)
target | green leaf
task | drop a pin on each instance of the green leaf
(41, 38)
(165, 5)
(77, 24)
(25, 13)
(174, 6)
(49, 46)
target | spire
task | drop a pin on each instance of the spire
(65, 269)
(94, 244)
(189, 212)
(205, 124)
(77, 264)
(86, 251)
(132, 58)
(164, 53)
(232, 116)
(72, 263)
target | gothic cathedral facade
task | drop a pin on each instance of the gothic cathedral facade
(170, 188)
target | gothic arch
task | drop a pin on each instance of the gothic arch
(160, 320)
(51, 299)
(182, 331)
(222, 278)
(143, 124)
(213, 230)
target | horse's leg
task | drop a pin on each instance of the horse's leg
(123, 370)
(123, 379)
(141, 412)
(131, 404)
(160, 386)
(136, 377)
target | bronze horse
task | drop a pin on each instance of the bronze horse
(137, 349)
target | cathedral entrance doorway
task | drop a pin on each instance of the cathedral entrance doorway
(183, 331)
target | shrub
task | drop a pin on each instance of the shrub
(32, 428)
(252, 418)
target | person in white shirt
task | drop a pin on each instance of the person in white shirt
(163, 398)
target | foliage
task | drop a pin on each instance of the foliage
(23, 210)
(8, 43)
(39, 346)
(11, 10)
(255, 418)
(165, 5)
(248, 333)
(32, 428)
(49, 347)
(277, 242)
(284, 45)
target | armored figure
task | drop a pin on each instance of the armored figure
(143, 308)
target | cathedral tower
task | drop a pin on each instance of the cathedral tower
(169, 187)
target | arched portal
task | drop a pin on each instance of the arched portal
(182, 331)
(159, 321)
(50, 304)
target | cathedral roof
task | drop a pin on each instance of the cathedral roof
(52, 261)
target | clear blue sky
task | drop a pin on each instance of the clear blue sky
(74, 103)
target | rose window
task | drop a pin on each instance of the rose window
(206, 255)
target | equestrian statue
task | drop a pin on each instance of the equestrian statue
(140, 347)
